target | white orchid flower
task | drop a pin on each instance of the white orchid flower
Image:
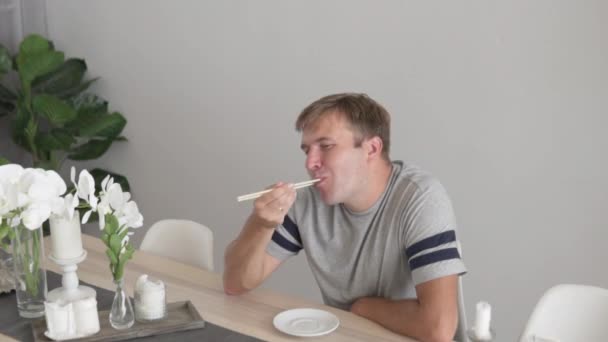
(56, 180)
(70, 203)
(35, 215)
(10, 173)
(8, 198)
(106, 183)
(116, 197)
(86, 185)
(103, 208)
(125, 241)
(15, 221)
(131, 216)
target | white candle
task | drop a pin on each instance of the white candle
(481, 327)
(66, 239)
(59, 319)
(86, 317)
(150, 299)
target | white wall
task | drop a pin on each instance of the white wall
(505, 102)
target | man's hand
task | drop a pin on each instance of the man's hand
(432, 317)
(270, 209)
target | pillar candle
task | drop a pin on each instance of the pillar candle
(59, 319)
(86, 316)
(150, 299)
(66, 239)
(481, 327)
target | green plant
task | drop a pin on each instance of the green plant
(119, 250)
(51, 116)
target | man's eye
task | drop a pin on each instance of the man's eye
(326, 147)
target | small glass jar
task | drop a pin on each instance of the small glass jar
(150, 300)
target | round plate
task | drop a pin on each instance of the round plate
(306, 322)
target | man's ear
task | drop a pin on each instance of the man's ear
(374, 147)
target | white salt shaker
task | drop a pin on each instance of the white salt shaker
(150, 299)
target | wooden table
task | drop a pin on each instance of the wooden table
(250, 314)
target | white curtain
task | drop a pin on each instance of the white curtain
(11, 26)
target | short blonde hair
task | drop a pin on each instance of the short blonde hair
(366, 117)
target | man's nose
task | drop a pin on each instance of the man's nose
(313, 162)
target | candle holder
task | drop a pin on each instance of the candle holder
(70, 291)
(71, 310)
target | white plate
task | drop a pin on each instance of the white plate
(306, 322)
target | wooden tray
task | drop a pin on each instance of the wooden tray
(181, 316)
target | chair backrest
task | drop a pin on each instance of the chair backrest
(569, 313)
(461, 329)
(182, 240)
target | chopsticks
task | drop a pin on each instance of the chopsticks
(260, 193)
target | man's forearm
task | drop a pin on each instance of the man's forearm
(407, 317)
(244, 258)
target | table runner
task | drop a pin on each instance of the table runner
(13, 325)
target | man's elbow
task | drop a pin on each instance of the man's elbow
(235, 287)
(233, 290)
(443, 329)
(232, 287)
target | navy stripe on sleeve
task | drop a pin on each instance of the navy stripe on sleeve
(292, 228)
(433, 257)
(283, 242)
(431, 242)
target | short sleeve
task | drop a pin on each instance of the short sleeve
(430, 240)
(286, 240)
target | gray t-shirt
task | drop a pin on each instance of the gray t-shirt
(406, 238)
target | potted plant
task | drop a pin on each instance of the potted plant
(51, 114)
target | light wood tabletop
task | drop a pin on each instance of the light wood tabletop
(250, 314)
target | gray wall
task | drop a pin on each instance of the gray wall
(505, 102)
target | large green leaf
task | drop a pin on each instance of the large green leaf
(57, 139)
(89, 107)
(57, 111)
(6, 64)
(70, 92)
(34, 44)
(37, 65)
(69, 75)
(93, 149)
(18, 126)
(108, 126)
(100, 174)
(89, 103)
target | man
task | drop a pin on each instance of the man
(380, 236)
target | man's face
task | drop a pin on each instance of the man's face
(331, 155)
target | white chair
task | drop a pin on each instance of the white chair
(569, 313)
(461, 329)
(182, 240)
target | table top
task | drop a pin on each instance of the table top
(250, 314)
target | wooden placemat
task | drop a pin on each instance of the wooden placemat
(181, 316)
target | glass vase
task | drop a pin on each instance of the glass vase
(30, 274)
(7, 282)
(121, 314)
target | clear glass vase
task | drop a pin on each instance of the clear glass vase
(30, 274)
(7, 280)
(121, 314)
